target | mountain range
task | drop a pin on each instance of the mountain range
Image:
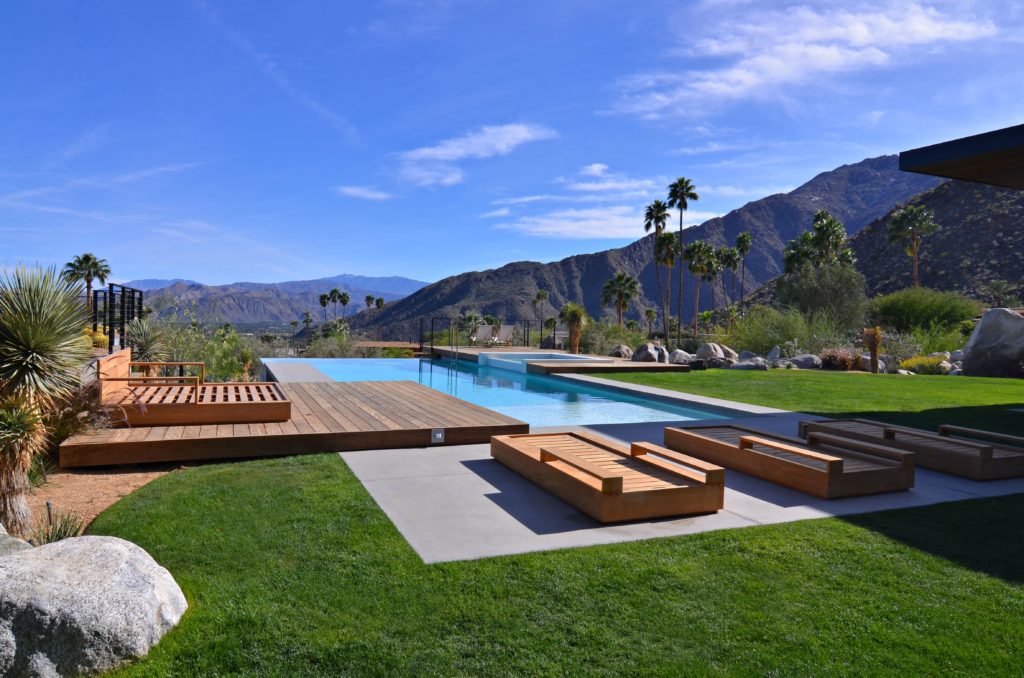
(856, 194)
(248, 302)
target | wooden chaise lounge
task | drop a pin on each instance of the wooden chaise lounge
(960, 451)
(825, 466)
(609, 482)
(134, 399)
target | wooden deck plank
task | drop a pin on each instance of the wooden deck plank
(325, 417)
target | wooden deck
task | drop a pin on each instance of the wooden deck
(598, 365)
(326, 417)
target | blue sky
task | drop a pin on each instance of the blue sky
(225, 141)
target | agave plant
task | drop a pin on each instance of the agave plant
(41, 360)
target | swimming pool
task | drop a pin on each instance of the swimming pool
(515, 360)
(538, 400)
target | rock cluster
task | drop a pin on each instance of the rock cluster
(996, 347)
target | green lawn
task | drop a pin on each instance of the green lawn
(924, 401)
(291, 569)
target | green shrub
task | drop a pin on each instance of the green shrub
(923, 364)
(835, 290)
(936, 339)
(600, 337)
(841, 359)
(917, 308)
(763, 328)
(62, 526)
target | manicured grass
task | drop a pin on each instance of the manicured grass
(291, 569)
(925, 401)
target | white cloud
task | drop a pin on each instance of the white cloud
(363, 193)
(728, 191)
(765, 52)
(503, 212)
(597, 169)
(614, 184)
(435, 165)
(614, 222)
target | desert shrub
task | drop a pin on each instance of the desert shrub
(397, 353)
(56, 527)
(835, 290)
(899, 346)
(921, 308)
(763, 327)
(935, 339)
(841, 359)
(923, 364)
(96, 339)
(600, 337)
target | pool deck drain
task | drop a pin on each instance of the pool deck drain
(457, 503)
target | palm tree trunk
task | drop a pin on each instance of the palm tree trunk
(679, 301)
(914, 245)
(661, 292)
(743, 277)
(618, 307)
(696, 304)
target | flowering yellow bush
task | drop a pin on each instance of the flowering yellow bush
(922, 364)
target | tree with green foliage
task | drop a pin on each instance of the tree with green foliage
(655, 217)
(825, 243)
(539, 298)
(700, 256)
(680, 193)
(369, 299)
(1001, 293)
(632, 325)
(650, 315)
(618, 292)
(335, 297)
(307, 320)
(574, 317)
(910, 224)
(743, 243)
(666, 246)
(86, 268)
(42, 356)
(324, 300)
(379, 303)
(729, 257)
(344, 300)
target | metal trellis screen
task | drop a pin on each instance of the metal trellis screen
(112, 310)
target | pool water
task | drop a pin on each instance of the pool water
(517, 361)
(535, 399)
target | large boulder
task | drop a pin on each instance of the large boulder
(754, 363)
(806, 361)
(82, 605)
(710, 352)
(747, 355)
(650, 352)
(774, 354)
(865, 363)
(996, 347)
(622, 351)
(680, 357)
(728, 352)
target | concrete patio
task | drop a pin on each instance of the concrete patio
(456, 503)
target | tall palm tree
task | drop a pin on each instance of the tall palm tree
(699, 254)
(655, 217)
(324, 300)
(715, 269)
(335, 296)
(41, 361)
(910, 224)
(368, 300)
(307, 320)
(87, 267)
(728, 259)
(650, 315)
(619, 291)
(344, 300)
(1000, 292)
(574, 317)
(743, 242)
(540, 298)
(680, 193)
(666, 247)
(379, 303)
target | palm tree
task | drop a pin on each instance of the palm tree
(307, 320)
(619, 291)
(368, 300)
(650, 315)
(743, 242)
(574, 317)
(335, 296)
(911, 223)
(540, 298)
(87, 267)
(666, 246)
(344, 300)
(42, 356)
(728, 260)
(379, 303)
(699, 255)
(1001, 292)
(680, 193)
(324, 300)
(632, 325)
(655, 218)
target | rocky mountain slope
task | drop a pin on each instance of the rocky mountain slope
(273, 302)
(857, 194)
(981, 238)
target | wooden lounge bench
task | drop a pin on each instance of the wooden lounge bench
(825, 466)
(609, 482)
(139, 400)
(967, 452)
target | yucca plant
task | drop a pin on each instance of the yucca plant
(41, 360)
(63, 525)
(146, 338)
(574, 317)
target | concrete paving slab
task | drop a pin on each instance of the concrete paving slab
(457, 503)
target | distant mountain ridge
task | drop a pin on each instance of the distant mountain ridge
(157, 283)
(856, 194)
(248, 302)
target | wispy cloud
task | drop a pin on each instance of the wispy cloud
(502, 212)
(88, 141)
(728, 191)
(363, 193)
(766, 52)
(99, 182)
(592, 223)
(435, 165)
(276, 73)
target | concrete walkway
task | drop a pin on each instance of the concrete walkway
(456, 503)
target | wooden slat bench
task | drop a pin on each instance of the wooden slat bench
(611, 483)
(139, 400)
(966, 452)
(825, 466)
